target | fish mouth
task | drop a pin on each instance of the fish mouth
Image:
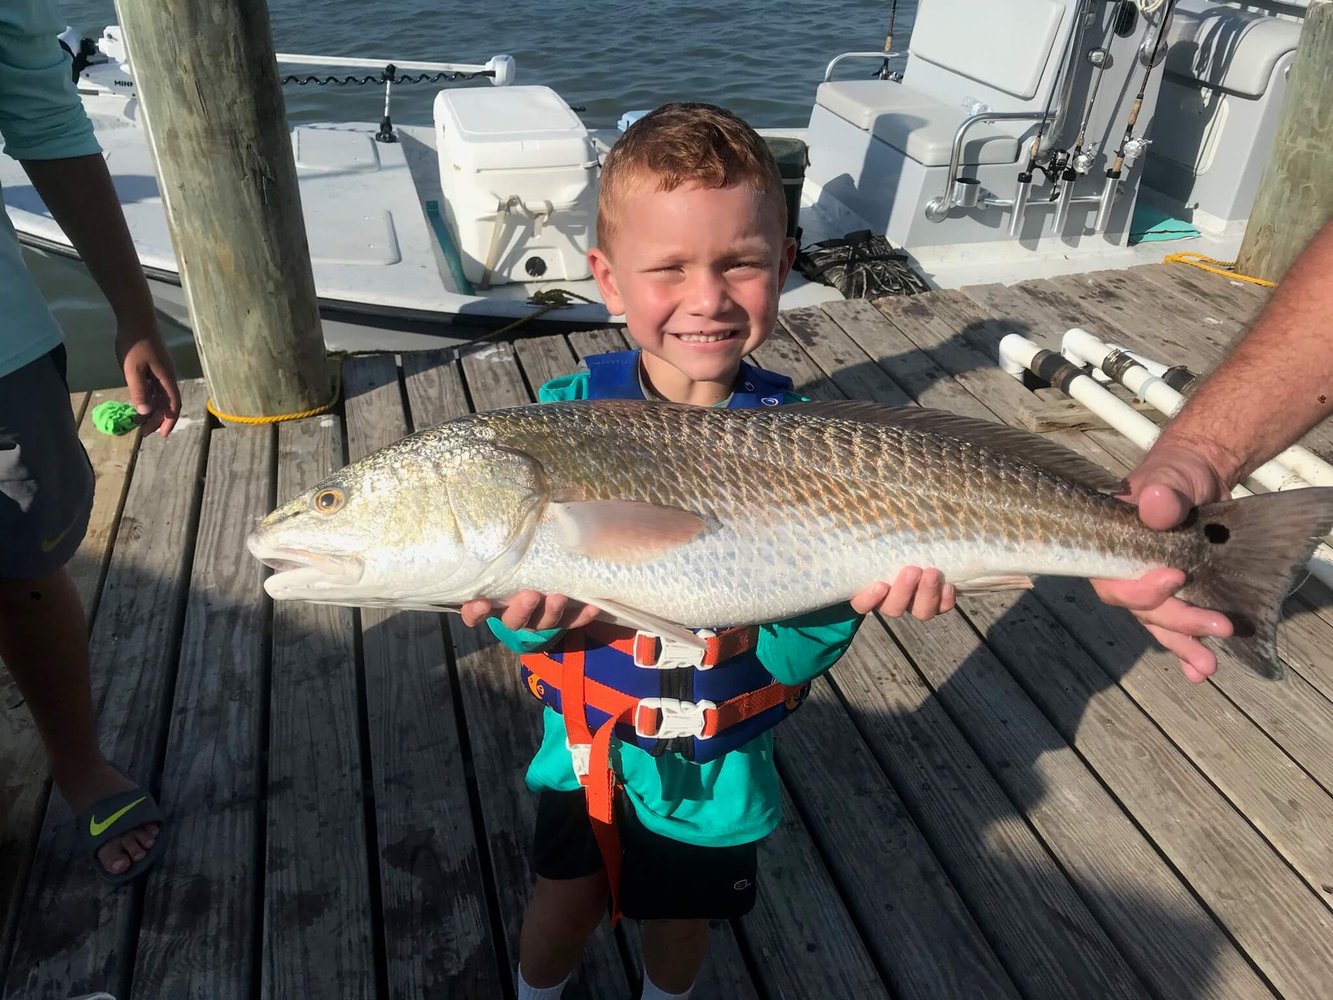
(297, 570)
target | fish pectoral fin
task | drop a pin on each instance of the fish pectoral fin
(628, 617)
(994, 583)
(625, 531)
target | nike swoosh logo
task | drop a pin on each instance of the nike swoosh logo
(50, 543)
(96, 829)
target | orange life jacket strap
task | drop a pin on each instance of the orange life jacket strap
(649, 650)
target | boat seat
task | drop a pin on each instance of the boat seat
(1227, 48)
(916, 125)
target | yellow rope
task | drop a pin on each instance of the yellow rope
(1223, 267)
(233, 418)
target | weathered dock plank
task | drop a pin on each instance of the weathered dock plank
(112, 459)
(320, 911)
(919, 931)
(436, 923)
(803, 939)
(196, 935)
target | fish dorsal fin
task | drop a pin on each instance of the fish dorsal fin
(623, 531)
(1032, 448)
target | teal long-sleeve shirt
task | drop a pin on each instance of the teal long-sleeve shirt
(41, 118)
(732, 800)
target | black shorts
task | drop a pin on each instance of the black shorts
(46, 481)
(660, 878)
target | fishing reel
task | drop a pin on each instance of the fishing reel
(1135, 147)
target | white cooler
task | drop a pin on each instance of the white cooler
(519, 176)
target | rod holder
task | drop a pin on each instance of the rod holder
(1107, 200)
(1021, 194)
(1067, 179)
(966, 191)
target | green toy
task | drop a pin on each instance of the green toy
(113, 417)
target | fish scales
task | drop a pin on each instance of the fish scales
(876, 492)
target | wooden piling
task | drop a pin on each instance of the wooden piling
(212, 105)
(1296, 194)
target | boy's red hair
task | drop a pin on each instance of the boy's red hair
(687, 143)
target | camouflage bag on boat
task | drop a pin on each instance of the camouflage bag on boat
(861, 265)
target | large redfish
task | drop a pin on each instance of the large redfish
(671, 517)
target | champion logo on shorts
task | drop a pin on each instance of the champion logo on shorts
(742, 885)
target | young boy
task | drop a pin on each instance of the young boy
(692, 250)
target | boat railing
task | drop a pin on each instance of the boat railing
(500, 69)
(828, 70)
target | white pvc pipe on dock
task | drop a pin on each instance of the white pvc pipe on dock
(1084, 348)
(1017, 353)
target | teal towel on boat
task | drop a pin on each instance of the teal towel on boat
(1150, 224)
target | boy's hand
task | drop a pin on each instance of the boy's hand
(150, 376)
(923, 592)
(1166, 486)
(533, 610)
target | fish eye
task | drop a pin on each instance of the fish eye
(328, 501)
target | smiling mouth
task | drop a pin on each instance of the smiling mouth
(706, 338)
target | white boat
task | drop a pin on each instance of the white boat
(1008, 147)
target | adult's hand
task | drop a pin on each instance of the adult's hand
(1173, 478)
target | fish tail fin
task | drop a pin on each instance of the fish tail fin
(1257, 547)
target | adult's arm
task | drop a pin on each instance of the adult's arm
(1274, 385)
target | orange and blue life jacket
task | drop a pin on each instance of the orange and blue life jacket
(626, 667)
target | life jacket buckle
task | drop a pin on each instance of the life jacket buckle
(581, 754)
(673, 718)
(666, 652)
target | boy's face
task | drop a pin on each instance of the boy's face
(696, 272)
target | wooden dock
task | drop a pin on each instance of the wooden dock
(1023, 799)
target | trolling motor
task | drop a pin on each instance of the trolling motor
(81, 50)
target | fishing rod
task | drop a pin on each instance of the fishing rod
(884, 73)
(1081, 160)
(1131, 146)
(1056, 165)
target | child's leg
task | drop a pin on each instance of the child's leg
(674, 889)
(46, 493)
(559, 919)
(571, 894)
(673, 953)
(44, 643)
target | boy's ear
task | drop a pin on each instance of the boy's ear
(606, 281)
(785, 263)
